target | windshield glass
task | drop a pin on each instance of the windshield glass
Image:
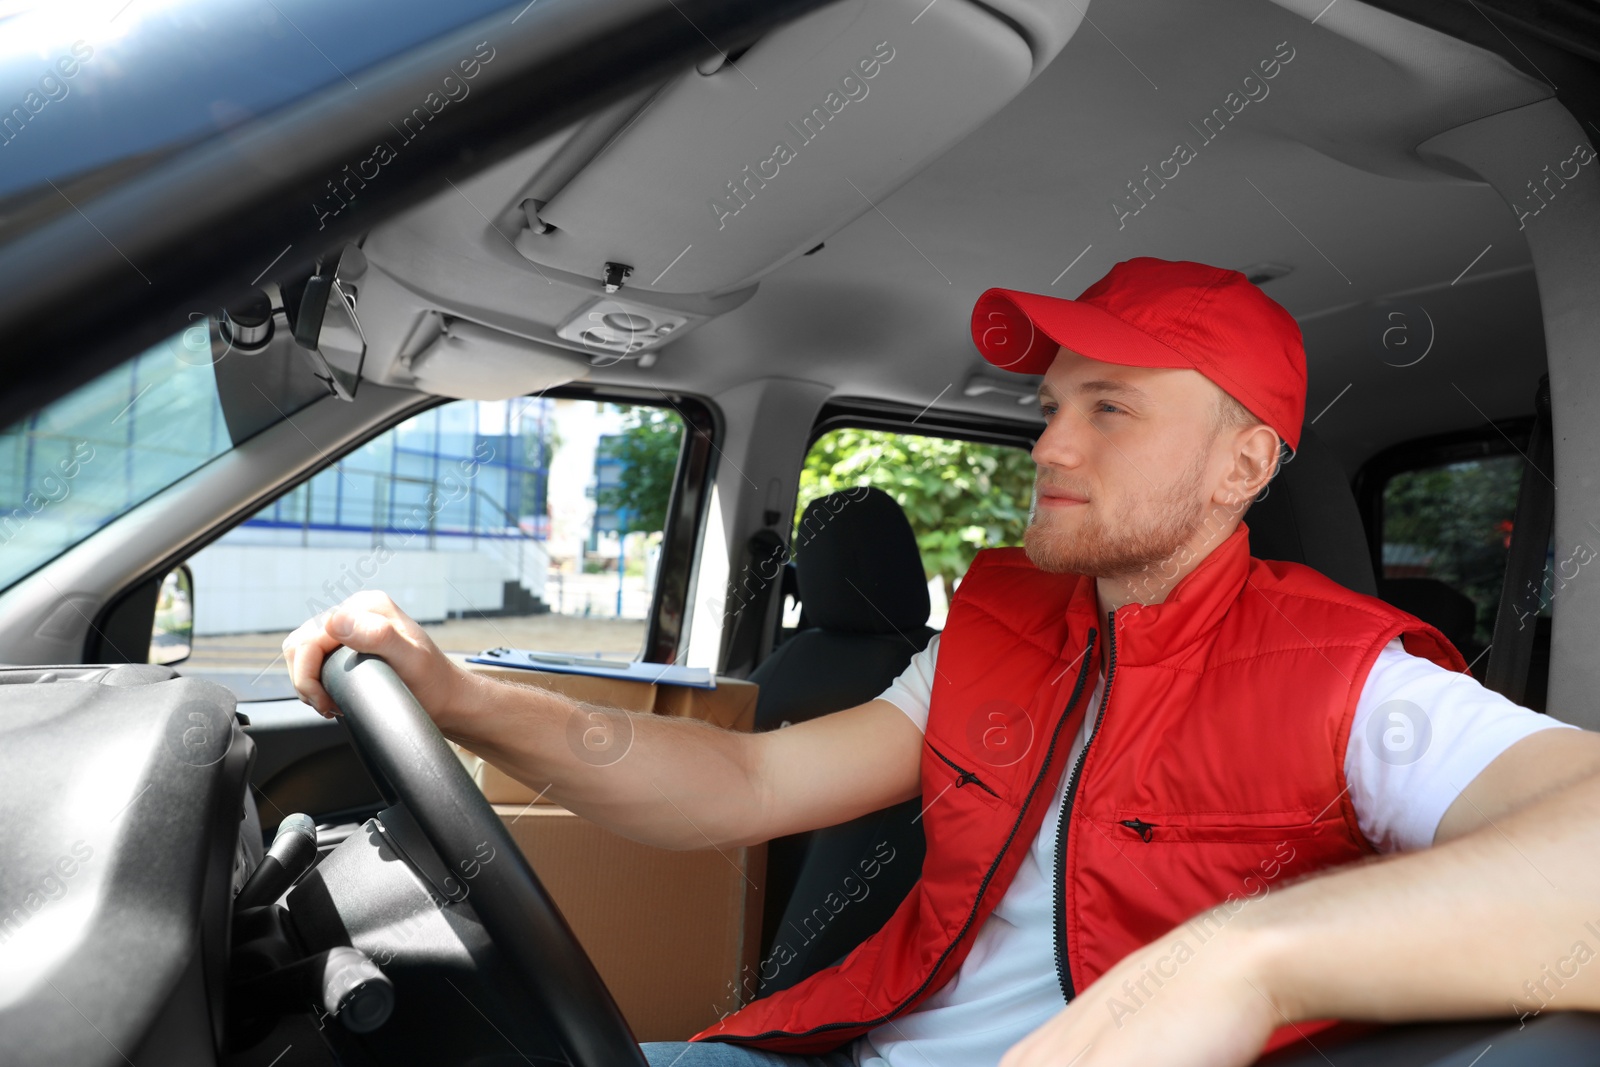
(97, 452)
(84, 85)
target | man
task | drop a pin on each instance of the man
(1128, 739)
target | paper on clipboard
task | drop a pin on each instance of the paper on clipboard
(627, 670)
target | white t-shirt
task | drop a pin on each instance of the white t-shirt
(1420, 734)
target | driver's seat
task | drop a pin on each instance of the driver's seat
(1309, 516)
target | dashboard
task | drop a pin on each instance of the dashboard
(124, 831)
(142, 919)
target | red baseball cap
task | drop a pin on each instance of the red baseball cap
(1150, 312)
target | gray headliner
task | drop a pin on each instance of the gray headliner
(882, 310)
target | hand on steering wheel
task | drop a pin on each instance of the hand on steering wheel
(414, 765)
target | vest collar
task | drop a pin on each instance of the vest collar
(1149, 633)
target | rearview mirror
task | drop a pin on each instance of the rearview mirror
(172, 636)
(326, 325)
(319, 314)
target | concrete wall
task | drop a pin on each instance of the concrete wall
(246, 588)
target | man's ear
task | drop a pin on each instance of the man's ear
(1253, 459)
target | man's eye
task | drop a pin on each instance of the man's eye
(1106, 405)
(1047, 410)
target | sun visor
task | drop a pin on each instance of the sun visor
(471, 362)
(725, 175)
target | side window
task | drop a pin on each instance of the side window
(1446, 531)
(960, 496)
(531, 523)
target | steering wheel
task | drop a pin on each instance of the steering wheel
(397, 740)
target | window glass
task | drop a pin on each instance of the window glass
(116, 84)
(73, 467)
(960, 496)
(533, 523)
(1452, 523)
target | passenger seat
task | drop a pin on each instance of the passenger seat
(865, 606)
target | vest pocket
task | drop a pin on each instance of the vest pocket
(1192, 860)
(962, 776)
(1222, 827)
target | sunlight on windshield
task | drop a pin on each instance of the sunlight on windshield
(92, 455)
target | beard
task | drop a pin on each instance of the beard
(1101, 545)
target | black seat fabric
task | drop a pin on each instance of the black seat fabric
(858, 566)
(1309, 516)
(865, 605)
(1431, 600)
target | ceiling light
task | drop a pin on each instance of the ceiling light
(621, 327)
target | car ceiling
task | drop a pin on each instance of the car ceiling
(1320, 176)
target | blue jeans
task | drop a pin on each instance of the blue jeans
(723, 1054)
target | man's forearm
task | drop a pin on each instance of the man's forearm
(674, 783)
(1503, 920)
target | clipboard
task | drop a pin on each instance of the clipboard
(625, 670)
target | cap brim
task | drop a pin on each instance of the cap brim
(1021, 332)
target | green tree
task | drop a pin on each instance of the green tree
(1460, 513)
(959, 495)
(647, 449)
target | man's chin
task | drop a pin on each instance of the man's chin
(1054, 552)
(1083, 552)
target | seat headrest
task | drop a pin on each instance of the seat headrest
(1432, 601)
(858, 566)
(1309, 516)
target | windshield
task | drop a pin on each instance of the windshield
(87, 84)
(97, 452)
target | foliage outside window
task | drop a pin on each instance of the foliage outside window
(646, 456)
(961, 496)
(1453, 523)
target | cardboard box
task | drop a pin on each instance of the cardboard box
(670, 932)
(675, 935)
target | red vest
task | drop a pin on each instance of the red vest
(1216, 772)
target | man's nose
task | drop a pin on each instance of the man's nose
(1062, 445)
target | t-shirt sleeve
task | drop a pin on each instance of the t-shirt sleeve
(1420, 734)
(913, 690)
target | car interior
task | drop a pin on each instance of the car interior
(766, 224)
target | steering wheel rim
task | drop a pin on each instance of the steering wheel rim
(396, 738)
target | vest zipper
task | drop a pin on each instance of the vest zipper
(965, 776)
(1064, 824)
(1027, 802)
(1140, 827)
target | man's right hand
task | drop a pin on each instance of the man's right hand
(371, 622)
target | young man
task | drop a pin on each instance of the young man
(1128, 739)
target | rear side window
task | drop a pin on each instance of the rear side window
(960, 496)
(1451, 524)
